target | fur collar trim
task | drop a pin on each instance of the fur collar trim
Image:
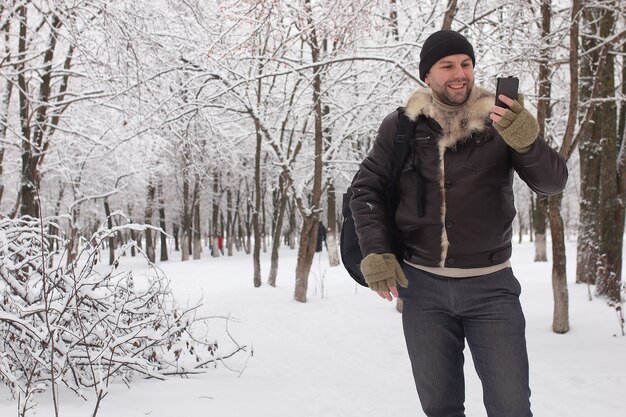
(457, 123)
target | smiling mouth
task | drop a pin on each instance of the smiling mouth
(456, 86)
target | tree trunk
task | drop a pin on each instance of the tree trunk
(53, 230)
(39, 112)
(256, 226)
(236, 227)
(393, 21)
(331, 203)
(539, 221)
(588, 246)
(29, 203)
(197, 232)
(186, 221)
(278, 228)
(331, 221)
(263, 224)
(543, 113)
(310, 220)
(133, 251)
(544, 79)
(72, 243)
(614, 291)
(560, 317)
(26, 195)
(185, 243)
(520, 229)
(448, 17)
(588, 225)
(107, 213)
(215, 252)
(621, 129)
(229, 223)
(175, 232)
(148, 221)
(4, 113)
(611, 213)
(1, 169)
(162, 223)
(244, 237)
(248, 230)
(306, 252)
(531, 222)
(292, 227)
(539, 216)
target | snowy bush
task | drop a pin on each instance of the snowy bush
(83, 324)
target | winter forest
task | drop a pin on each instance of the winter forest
(180, 129)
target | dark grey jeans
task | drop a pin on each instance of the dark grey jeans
(440, 314)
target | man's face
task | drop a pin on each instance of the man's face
(451, 79)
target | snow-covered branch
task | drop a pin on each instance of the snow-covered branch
(85, 324)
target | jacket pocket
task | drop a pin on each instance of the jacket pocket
(480, 154)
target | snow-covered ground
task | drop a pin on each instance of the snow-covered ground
(343, 354)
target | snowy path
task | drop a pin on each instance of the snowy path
(343, 354)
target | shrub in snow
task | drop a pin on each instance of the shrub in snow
(83, 324)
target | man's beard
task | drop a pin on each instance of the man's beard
(452, 100)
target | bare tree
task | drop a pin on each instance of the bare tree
(612, 174)
(256, 226)
(603, 176)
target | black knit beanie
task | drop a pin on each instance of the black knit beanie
(441, 44)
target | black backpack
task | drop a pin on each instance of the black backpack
(351, 255)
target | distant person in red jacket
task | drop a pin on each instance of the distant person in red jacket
(220, 244)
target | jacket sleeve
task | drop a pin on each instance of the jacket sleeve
(368, 190)
(541, 168)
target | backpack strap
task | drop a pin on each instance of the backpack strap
(402, 145)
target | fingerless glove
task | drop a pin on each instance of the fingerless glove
(518, 127)
(382, 272)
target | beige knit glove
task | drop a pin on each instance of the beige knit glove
(382, 271)
(518, 127)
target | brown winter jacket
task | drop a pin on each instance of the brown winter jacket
(466, 174)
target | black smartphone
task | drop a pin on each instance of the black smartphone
(507, 86)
